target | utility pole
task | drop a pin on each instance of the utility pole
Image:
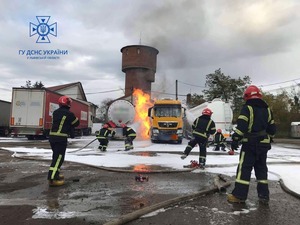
(176, 89)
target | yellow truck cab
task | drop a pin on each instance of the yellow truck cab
(166, 118)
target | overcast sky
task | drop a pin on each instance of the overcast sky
(258, 38)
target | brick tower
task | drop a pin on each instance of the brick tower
(139, 66)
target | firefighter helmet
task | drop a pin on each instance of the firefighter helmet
(252, 92)
(207, 112)
(219, 131)
(105, 126)
(123, 125)
(65, 101)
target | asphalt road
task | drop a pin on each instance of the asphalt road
(93, 196)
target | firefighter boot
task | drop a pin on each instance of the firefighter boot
(127, 145)
(232, 199)
(183, 156)
(202, 163)
(100, 147)
(263, 199)
(131, 145)
(56, 183)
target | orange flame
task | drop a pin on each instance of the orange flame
(142, 103)
(141, 168)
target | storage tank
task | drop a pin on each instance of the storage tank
(120, 112)
(139, 65)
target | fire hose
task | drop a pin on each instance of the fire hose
(138, 213)
(77, 150)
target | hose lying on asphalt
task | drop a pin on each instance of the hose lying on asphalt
(138, 213)
(287, 190)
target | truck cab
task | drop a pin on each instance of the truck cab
(166, 118)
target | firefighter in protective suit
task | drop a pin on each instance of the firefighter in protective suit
(255, 128)
(130, 135)
(219, 141)
(102, 137)
(63, 125)
(202, 127)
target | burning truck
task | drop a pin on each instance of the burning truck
(159, 120)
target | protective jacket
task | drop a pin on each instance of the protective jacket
(219, 138)
(129, 132)
(203, 127)
(255, 124)
(63, 122)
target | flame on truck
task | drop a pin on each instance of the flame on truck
(142, 103)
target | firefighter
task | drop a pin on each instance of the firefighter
(63, 124)
(102, 137)
(219, 141)
(255, 128)
(202, 127)
(130, 135)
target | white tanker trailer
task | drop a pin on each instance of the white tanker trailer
(222, 114)
(120, 112)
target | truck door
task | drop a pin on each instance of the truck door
(28, 108)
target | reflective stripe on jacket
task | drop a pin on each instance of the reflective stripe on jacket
(255, 123)
(203, 126)
(62, 122)
(104, 132)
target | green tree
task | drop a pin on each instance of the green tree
(102, 110)
(280, 106)
(227, 88)
(35, 85)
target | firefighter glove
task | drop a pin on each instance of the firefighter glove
(72, 132)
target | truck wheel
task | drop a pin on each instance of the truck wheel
(30, 137)
(6, 132)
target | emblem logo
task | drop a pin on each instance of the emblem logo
(43, 29)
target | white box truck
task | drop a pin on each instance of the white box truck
(31, 112)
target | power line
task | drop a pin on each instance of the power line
(191, 84)
(279, 83)
(265, 85)
(102, 92)
(165, 93)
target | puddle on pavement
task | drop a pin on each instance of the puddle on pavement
(145, 154)
(142, 168)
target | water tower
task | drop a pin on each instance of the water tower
(139, 66)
